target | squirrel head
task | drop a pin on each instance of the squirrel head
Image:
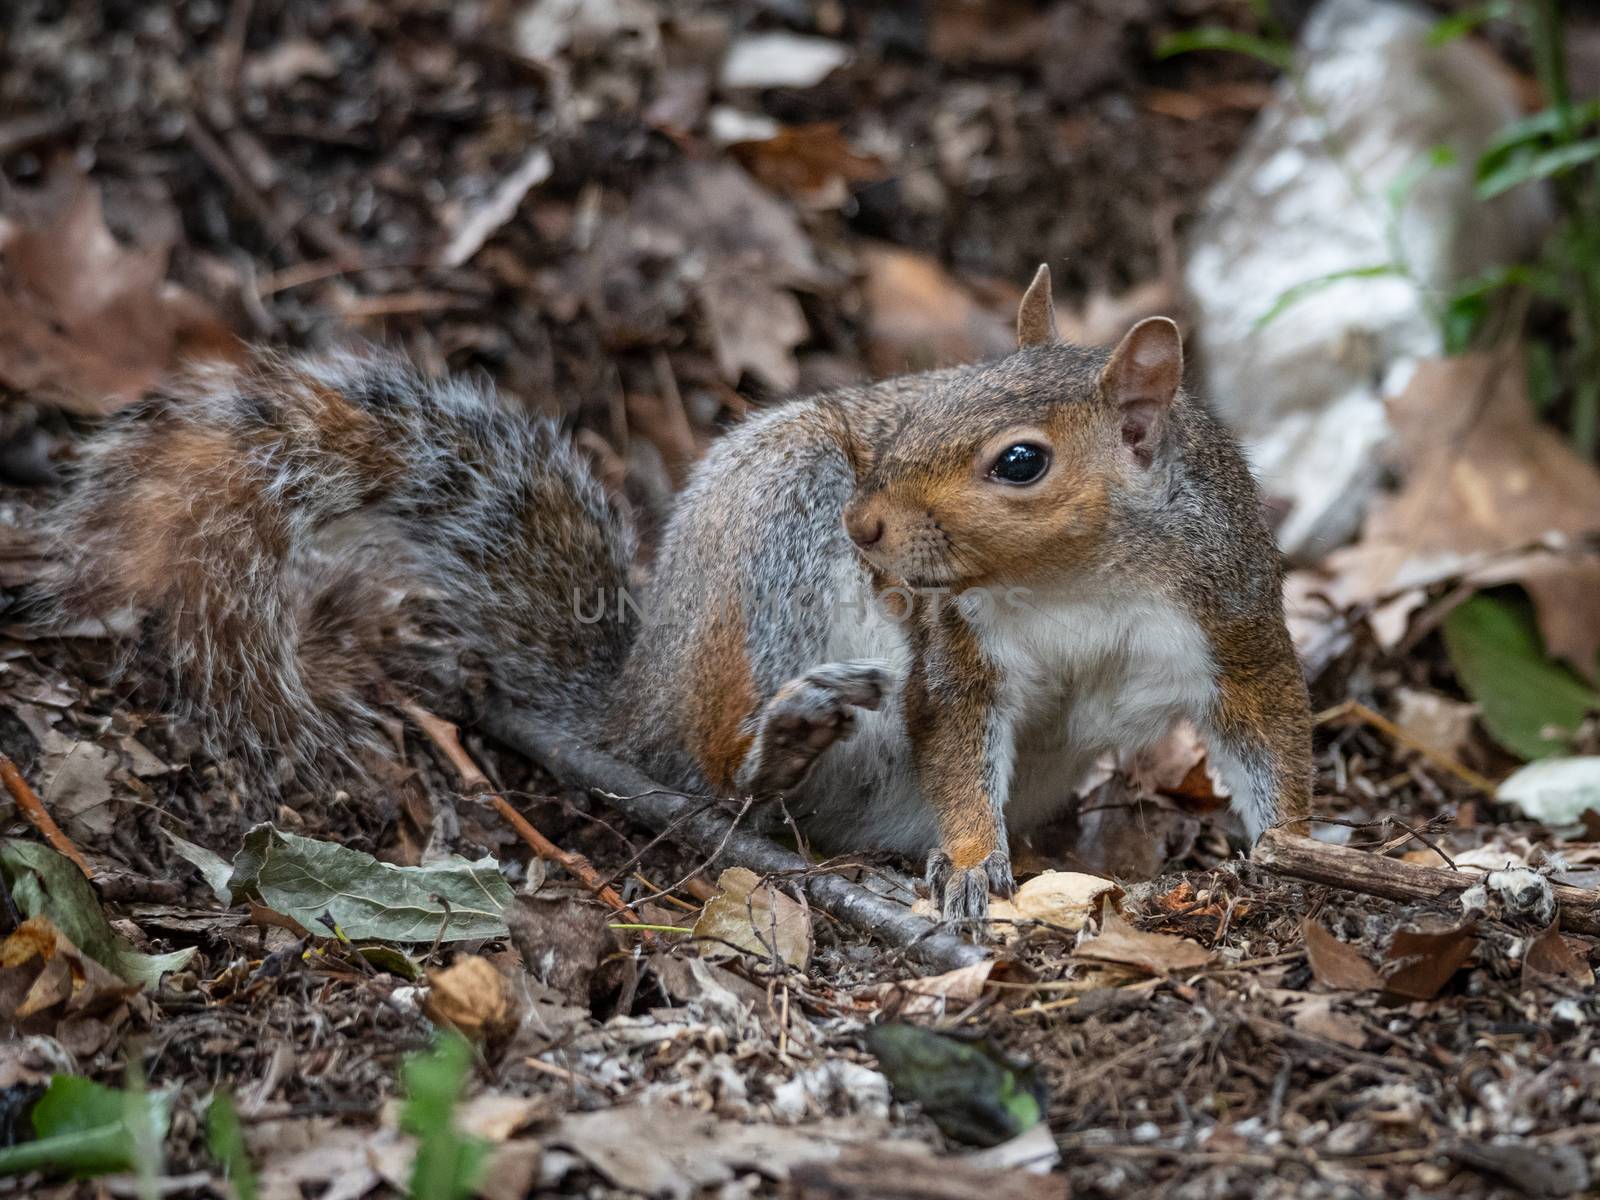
(1010, 471)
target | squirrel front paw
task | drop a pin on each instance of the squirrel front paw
(962, 894)
(806, 716)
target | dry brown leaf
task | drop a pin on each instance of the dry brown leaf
(1316, 1015)
(84, 320)
(1418, 963)
(1483, 480)
(1437, 722)
(49, 986)
(815, 164)
(753, 914)
(1335, 964)
(471, 997)
(1554, 955)
(919, 317)
(937, 995)
(1065, 899)
(1157, 953)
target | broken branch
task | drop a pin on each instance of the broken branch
(38, 816)
(703, 830)
(1393, 879)
(447, 738)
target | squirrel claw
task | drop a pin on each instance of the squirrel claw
(962, 894)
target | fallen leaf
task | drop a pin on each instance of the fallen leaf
(815, 164)
(1437, 722)
(303, 879)
(1554, 955)
(919, 317)
(84, 320)
(44, 883)
(972, 1091)
(213, 868)
(1317, 1016)
(706, 235)
(471, 997)
(1484, 479)
(871, 1173)
(1065, 899)
(754, 915)
(1531, 705)
(1157, 953)
(1418, 963)
(935, 995)
(662, 1150)
(1335, 964)
(79, 792)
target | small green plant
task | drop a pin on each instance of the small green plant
(448, 1161)
(225, 1136)
(83, 1128)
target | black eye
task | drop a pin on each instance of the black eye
(1022, 463)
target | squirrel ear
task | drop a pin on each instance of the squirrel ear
(1036, 315)
(1141, 379)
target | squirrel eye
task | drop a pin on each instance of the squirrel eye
(1022, 463)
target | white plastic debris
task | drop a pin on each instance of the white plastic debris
(767, 60)
(1305, 388)
(1555, 791)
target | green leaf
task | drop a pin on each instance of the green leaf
(1310, 287)
(225, 1136)
(448, 1162)
(367, 899)
(1459, 24)
(970, 1090)
(46, 883)
(83, 1128)
(214, 869)
(1524, 168)
(1469, 303)
(1214, 37)
(1530, 704)
(1546, 123)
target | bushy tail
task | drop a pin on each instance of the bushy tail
(297, 536)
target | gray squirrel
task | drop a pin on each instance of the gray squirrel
(918, 609)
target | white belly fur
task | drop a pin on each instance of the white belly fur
(1083, 675)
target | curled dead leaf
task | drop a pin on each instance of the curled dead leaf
(471, 997)
(1155, 953)
(1337, 965)
(753, 914)
(1065, 899)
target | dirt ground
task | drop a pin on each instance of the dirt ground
(579, 203)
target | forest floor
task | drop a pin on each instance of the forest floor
(584, 203)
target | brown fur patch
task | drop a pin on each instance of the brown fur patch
(949, 703)
(724, 698)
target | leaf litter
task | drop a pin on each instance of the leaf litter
(596, 243)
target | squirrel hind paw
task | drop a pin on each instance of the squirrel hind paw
(961, 895)
(805, 717)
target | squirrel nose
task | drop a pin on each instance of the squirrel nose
(865, 529)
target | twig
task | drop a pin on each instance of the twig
(1394, 879)
(1354, 708)
(33, 808)
(702, 829)
(447, 738)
